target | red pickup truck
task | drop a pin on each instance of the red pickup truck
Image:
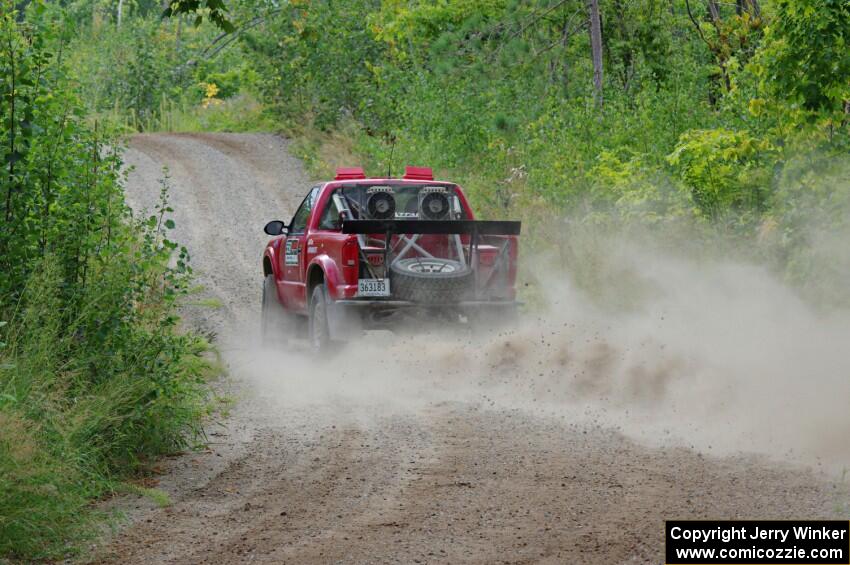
(362, 253)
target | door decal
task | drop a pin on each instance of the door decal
(291, 255)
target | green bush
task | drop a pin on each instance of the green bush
(137, 74)
(724, 170)
(95, 379)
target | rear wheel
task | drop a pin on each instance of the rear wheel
(320, 337)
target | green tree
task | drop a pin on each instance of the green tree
(806, 56)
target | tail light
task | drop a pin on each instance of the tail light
(350, 261)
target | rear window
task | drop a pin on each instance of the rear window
(403, 202)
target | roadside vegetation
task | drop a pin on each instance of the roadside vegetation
(724, 121)
(143, 73)
(96, 380)
(716, 121)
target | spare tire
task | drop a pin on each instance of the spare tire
(431, 280)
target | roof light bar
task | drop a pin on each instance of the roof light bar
(418, 173)
(349, 173)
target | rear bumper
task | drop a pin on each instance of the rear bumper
(404, 304)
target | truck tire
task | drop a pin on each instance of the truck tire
(274, 318)
(431, 280)
(319, 330)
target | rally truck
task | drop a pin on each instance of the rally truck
(364, 253)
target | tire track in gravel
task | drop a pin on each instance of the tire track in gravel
(339, 479)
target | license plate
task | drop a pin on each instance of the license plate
(373, 287)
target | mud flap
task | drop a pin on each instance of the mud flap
(344, 324)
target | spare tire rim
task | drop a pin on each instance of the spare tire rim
(432, 266)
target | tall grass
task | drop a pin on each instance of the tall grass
(89, 395)
(239, 113)
(96, 377)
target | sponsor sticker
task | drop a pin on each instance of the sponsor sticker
(291, 254)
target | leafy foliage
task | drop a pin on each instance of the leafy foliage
(94, 378)
(137, 75)
(723, 169)
(708, 106)
(806, 58)
(214, 10)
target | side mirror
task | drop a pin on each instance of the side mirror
(276, 227)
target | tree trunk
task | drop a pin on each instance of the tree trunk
(596, 50)
(565, 63)
(120, 12)
(714, 12)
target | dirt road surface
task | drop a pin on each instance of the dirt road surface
(314, 466)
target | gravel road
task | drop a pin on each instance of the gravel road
(328, 462)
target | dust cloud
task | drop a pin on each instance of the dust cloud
(713, 354)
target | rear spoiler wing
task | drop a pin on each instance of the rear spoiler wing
(432, 227)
